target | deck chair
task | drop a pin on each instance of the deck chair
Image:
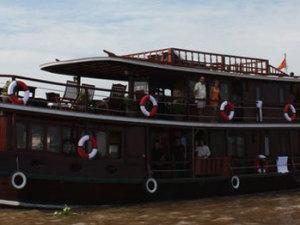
(282, 164)
(91, 91)
(70, 96)
(116, 98)
(84, 101)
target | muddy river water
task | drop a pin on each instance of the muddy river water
(265, 208)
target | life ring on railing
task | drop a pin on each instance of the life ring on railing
(11, 92)
(18, 180)
(151, 185)
(235, 182)
(227, 110)
(82, 151)
(286, 109)
(144, 101)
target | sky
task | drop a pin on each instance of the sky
(33, 32)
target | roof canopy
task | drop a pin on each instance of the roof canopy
(113, 68)
(164, 62)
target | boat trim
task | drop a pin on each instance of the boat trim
(141, 121)
(167, 67)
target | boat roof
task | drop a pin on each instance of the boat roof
(168, 62)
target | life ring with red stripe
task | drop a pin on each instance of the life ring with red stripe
(293, 116)
(82, 151)
(144, 101)
(227, 111)
(11, 92)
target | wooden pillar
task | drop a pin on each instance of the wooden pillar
(131, 86)
(187, 96)
(193, 152)
(147, 152)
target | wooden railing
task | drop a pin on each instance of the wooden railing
(212, 166)
(211, 61)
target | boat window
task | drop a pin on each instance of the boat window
(240, 147)
(101, 143)
(271, 95)
(37, 134)
(21, 135)
(141, 86)
(68, 141)
(267, 146)
(281, 95)
(258, 93)
(236, 146)
(53, 139)
(224, 91)
(115, 143)
(217, 143)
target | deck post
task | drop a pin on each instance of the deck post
(193, 152)
(267, 68)
(170, 54)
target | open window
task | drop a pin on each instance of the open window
(68, 141)
(236, 145)
(37, 137)
(101, 143)
(21, 134)
(114, 144)
(54, 139)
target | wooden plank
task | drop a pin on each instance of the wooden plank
(3, 133)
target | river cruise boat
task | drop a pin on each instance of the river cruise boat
(150, 125)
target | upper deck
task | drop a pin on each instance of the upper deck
(169, 75)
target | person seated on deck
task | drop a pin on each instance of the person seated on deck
(261, 163)
(202, 150)
(200, 95)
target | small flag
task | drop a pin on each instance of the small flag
(282, 64)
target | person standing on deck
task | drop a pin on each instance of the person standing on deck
(200, 95)
(214, 96)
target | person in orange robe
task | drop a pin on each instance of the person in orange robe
(214, 96)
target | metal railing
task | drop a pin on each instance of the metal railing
(211, 61)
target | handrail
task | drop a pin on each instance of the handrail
(186, 109)
(206, 60)
(56, 83)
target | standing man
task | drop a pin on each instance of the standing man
(200, 95)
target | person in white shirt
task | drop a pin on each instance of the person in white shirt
(200, 94)
(202, 151)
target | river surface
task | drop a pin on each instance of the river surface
(266, 208)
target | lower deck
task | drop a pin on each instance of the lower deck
(46, 145)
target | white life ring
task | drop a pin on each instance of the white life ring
(14, 180)
(235, 182)
(143, 102)
(226, 107)
(286, 109)
(82, 152)
(151, 185)
(11, 92)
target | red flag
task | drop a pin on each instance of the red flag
(282, 64)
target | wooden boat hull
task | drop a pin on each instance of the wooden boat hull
(55, 194)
